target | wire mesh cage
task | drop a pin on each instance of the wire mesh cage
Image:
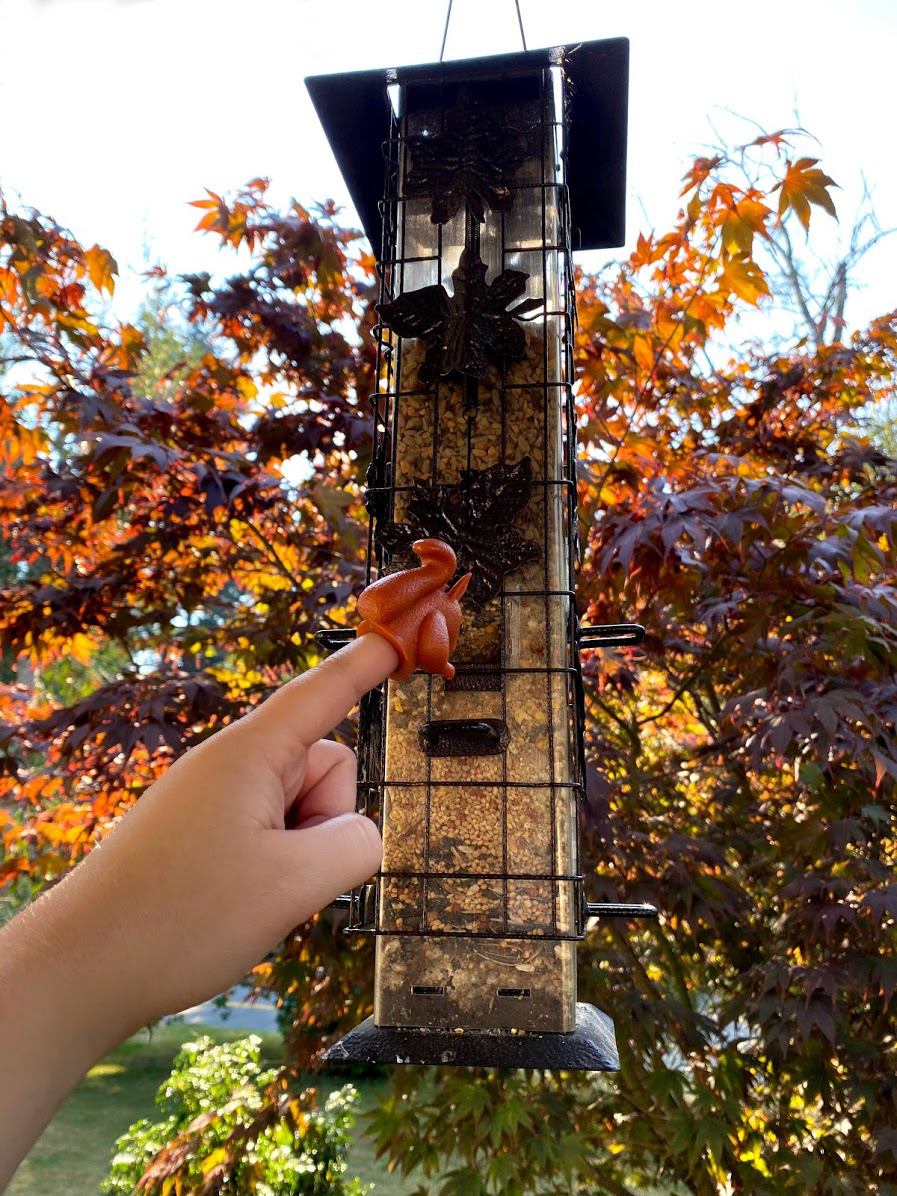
(487, 463)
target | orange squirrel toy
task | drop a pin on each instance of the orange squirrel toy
(413, 610)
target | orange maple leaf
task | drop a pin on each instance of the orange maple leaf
(802, 186)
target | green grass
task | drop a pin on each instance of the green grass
(72, 1156)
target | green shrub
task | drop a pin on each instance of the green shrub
(229, 1127)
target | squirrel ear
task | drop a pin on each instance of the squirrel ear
(459, 589)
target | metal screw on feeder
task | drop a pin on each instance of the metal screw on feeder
(492, 166)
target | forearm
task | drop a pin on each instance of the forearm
(57, 1018)
(189, 890)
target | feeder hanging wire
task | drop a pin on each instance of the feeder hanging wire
(448, 17)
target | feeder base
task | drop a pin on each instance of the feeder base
(591, 1046)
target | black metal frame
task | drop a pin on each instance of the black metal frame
(591, 1046)
(364, 914)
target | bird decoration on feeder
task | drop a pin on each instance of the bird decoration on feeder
(471, 179)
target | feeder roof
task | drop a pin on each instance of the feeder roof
(355, 110)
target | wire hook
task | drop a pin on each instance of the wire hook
(520, 23)
(448, 17)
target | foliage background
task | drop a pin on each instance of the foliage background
(182, 508)
(297, 1149)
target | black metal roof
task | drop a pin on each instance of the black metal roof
(354, 109)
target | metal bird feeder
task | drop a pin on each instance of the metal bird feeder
(494, 168)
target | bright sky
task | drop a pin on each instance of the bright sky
(115, 113)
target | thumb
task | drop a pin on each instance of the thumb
(317, 863)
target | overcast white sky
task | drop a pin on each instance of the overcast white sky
(115, 113)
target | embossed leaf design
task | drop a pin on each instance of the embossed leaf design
(475, 518)
(473, 161)
(462, 330)
(426, 314)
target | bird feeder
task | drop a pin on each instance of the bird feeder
(474, 180)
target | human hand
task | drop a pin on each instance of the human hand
(200, 880)
(192, 887)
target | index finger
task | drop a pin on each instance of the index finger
(309, 707)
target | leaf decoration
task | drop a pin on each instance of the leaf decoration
(425, 313)
(463, 329)
(473, 161)
(475, 517)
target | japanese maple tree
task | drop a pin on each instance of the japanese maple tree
(197, 525)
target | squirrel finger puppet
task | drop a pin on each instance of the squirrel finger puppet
(415, 613)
